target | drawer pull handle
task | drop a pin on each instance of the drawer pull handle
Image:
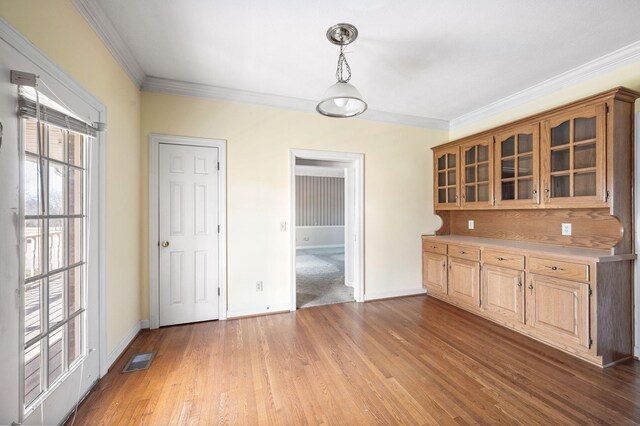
(501, 258)
(554, 268)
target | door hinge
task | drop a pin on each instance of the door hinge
(218, 229)
(606, 108)
(590, 291)
(494, 201)
(218, 291)
(606, 195)
(218, 165)
(590, 341)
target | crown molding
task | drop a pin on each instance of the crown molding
(103, 27)
(183, 88)
(609, 62)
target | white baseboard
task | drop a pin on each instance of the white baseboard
(316, 247)
(398, 293)
(113, 356)
(262, 310)
(636, 352)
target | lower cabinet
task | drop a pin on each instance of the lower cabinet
(464, 281)
(434, 276)
(559, 310)
(503, 293)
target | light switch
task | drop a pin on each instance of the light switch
(471, 224)
(566, 229)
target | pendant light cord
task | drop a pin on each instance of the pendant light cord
(342, 65)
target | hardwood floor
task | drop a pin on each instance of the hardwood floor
(412, 360)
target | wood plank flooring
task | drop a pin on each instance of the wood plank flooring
(412, 360)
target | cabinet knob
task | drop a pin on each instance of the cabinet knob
(463, 252)
(530, 286)
(519, 283)
(554, 268)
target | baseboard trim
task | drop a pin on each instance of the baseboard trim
(398, 293)
(315, 247)
(251, 312)
(636, 352)
(124, 343)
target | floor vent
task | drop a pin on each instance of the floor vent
(139, 362)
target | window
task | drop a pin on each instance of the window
(54, 206)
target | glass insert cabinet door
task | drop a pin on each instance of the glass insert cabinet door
(573, 158)
(446, 178)
(516, 166)
(476, 172)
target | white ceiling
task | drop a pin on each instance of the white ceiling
(425, 58)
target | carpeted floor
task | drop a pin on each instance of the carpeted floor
(320, 277)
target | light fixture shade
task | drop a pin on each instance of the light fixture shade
(341, 100)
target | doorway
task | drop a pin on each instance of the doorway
(186, 193)
(326, 194)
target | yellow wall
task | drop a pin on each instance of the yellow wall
(58, 29)
(398, 193)
(628, 76)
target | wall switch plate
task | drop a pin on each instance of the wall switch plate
(472, 224)
(259, 286)
(566, 229)
(283, 225)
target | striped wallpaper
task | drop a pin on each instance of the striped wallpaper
(319, 201)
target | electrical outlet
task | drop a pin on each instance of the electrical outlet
(259, 286)
(566, 229)
(472, 224)
(283, 225)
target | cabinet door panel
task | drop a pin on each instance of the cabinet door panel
(446, 178)
(573, 158)
(503, 294)
(476, 185)
(464, 281)
(434, 273)
(559, 309)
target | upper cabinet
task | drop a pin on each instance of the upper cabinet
(576, 156)
(516, 154)
(573, 158)
(446, 179)
(477, 173)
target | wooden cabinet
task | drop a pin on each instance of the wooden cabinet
(446, 178)
(516, 153)
(434, 277)
(558, 309)
(573, 158)
(476, 174)
(464, 281)
(503, 293)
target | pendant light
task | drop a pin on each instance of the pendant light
(342, 99)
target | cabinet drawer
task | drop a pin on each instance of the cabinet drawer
(502, 258)
(464, 252)
(434, 247)
(559, 269)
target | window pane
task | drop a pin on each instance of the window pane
(442, 162)
(483, 153)
(483, 173)
(57, 246)
(470, 155)
(451, 194)
(32, 190)
(560, 160)
(508, 148)
(74, 343)
(584, 156)
(56, 286)
(451, 161)
(525, 189)
(74, 294)
(33, 247)
(584, 128)
(31, 136)
(442, 179)
(525, 143)
(584, 184)
(76, 149)
(75, 191)
(508, 192)
(442, 195)
(75, 241)
(32, 303)
(451, 177)
(508, 169)
(470, 193)
(483, 192)
(560, 134)
(57, 189)
(525, 165)
(470, 174)
(55, 354)
(560, 186)
(32, 368)
(56, 144)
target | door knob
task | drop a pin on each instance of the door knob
(165, 243)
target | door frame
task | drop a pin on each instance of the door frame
(356, 161)
(154, 209)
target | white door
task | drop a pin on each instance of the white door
(188, 230)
